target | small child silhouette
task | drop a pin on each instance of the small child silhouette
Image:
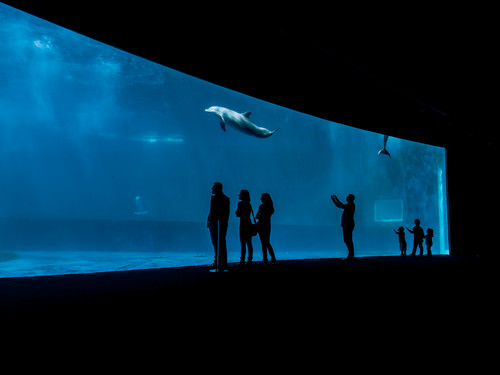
(428, 240)
(402, 241)
(418, 238)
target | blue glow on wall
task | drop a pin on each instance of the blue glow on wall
(85, 129)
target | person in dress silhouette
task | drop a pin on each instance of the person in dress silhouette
(347, 222)
(266, 209)
(217, 223)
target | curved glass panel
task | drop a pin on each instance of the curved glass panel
(107, 162)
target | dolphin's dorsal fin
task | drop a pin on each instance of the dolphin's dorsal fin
(247, 114)
(223, 125)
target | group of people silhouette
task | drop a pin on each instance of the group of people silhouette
(218, 219)
(418, 239)
(347, 223)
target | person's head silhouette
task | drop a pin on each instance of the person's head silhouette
(217, 188)
(244, 196)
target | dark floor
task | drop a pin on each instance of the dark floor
(317, 285)
(327, 308)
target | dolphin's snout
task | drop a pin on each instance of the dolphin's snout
(212, 110)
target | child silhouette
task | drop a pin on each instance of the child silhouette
(418, 238)
(428, 240)
(402, 241)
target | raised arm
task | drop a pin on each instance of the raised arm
(336, 201)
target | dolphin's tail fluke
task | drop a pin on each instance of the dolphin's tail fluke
(384, 152)
(269, 133)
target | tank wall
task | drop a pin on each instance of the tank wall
(120, 152)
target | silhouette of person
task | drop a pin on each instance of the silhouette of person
(428, 240)
(347, 222)
(243, 212)
(266, 209)
(217, 223)
(402, 241)
(418, 237)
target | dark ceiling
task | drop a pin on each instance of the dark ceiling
(411, 71)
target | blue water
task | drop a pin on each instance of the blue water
(107, 162)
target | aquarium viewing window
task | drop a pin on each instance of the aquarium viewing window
(389, 210)
(107, 163)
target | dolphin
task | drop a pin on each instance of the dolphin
(384, 151)
(239, 121)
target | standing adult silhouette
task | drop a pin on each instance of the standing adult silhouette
(347, 222)
(266, 209)
(217, 223)
(243, 212)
